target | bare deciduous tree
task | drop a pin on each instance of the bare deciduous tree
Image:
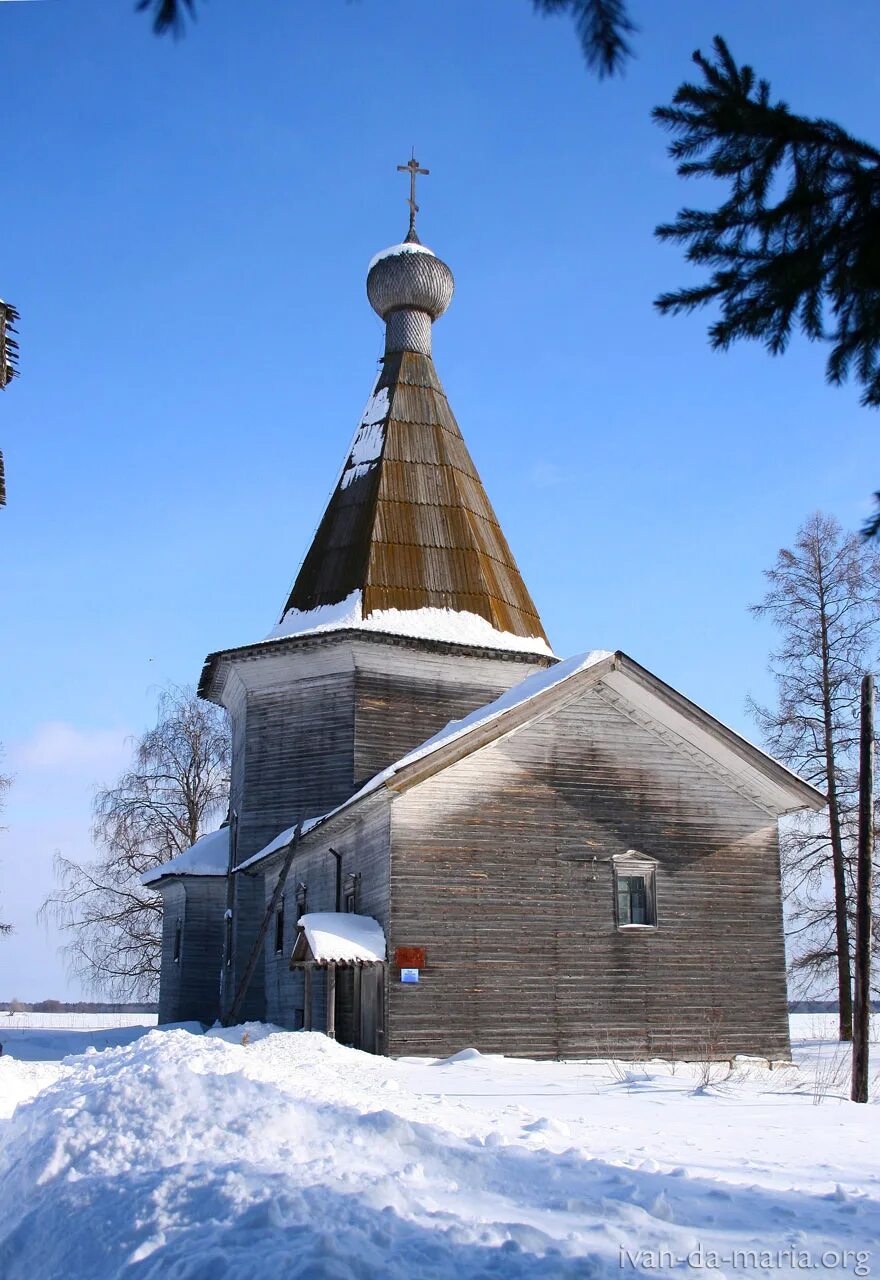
(824, 597)
(176, 790)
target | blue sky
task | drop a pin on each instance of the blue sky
(185, 229)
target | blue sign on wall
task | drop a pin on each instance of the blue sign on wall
(409, 975)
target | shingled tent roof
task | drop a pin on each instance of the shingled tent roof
(409, 528)
(409, 525)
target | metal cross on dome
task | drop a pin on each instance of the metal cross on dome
(412, 168)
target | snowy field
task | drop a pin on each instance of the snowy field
(196, 1157)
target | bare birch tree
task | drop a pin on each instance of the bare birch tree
(824, 597)
(176, 791)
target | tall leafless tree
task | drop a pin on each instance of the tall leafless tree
(824, 597)
(176, 790)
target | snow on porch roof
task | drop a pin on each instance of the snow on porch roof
(343, 937)
(209, 856)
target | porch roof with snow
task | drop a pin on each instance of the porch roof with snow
(338, 937)
(771, 785)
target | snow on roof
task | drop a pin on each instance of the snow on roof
(343, 936)
(394, 249)
(522, 692)
(209, 856)
(449, 625)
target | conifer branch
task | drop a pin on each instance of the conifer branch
(796, 244)
(603, 28)
(168, 15)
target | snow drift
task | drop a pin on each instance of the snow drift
(201, 1158)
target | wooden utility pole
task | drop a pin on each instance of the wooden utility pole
(231, 1015)
(862, 1006)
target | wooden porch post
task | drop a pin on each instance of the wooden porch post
(307, 998)
(331, 1000)
(357, 1018)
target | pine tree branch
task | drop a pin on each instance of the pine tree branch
(796, 243)
(169, 15)
(603, 28)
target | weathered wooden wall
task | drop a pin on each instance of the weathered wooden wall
(312, 722)
(493, 871)
(406, 694)
(190, 988)
(363, 840)
(292, 749)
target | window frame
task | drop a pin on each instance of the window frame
(351, 893)
(177, 947)
(302, 893)
(631, 865)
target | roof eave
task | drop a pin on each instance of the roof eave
(207, 687)
(803, 794)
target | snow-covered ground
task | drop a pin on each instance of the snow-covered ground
(38, 1037)
(200, 1157)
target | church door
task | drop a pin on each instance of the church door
(371, 1019)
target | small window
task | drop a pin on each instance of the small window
(632, 900)
(178, 935)
(301, 893)
(634, 890)
(350, 893)
(279, 926)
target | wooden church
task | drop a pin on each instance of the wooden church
(442, 836)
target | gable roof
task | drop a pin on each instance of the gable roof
(409, 529)
(770, 784)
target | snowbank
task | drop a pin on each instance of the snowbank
(293, 1157)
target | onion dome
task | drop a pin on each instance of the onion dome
(409, 287)
(409, 275)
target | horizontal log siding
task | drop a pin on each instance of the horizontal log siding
(247, 916)
(364, 844)
(298, 755)
(406, 695)
(492, 872)
(190, 988)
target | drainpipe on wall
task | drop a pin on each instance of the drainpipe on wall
(338, 857)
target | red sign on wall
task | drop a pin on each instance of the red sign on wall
(410, 957)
